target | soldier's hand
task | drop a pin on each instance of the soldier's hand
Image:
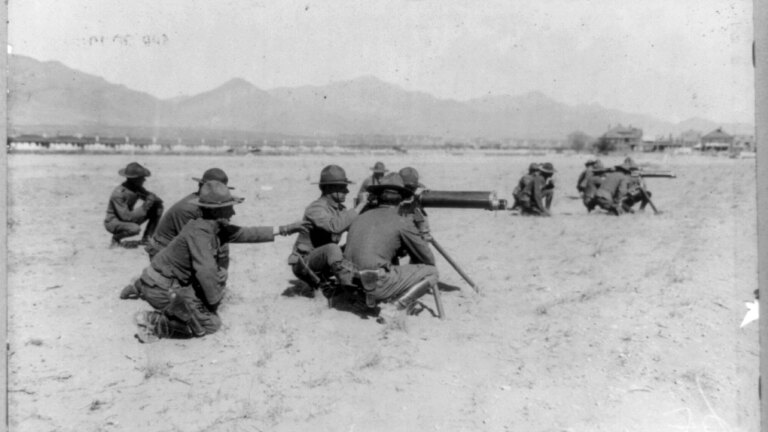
(295, 227)
(222, 275)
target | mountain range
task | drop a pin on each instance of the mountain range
(45, 95)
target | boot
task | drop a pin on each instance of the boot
(146, 323)
(413, 293)
(130, 292)
(344, 271)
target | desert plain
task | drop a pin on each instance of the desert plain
(583, 322)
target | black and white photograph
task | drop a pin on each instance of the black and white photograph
(364, 216)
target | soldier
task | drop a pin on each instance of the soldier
(593, 180)
(530, 197)
(182, 282)
(548, 191)
(411, 209)
(523, 184)
(378, 172)
(318, 251)
(581, 183)
(182, 212)
(613, 190)
(374, 242)
(636, 191)
(123, 218)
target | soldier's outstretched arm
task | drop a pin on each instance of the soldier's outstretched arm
(260, 234)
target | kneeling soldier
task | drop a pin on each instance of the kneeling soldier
(613, 190)
(374, 241)
(123, 219)
(183, 282)
(182, 212)
(592, 184)
(317, 254)
(411, 209)
(636, 191)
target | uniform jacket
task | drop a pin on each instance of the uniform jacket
(522, 185)
(533, 191)
(378, 236)
(581, 183)
(191, 255)
(121, 205)
(591, 185)
(174, 220)
(613, 187)
(329, 221)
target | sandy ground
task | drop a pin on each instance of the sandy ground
(584, 322)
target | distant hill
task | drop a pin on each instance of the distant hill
(52, 95)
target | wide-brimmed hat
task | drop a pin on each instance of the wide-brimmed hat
(598, 166)
(590, 162)
(134, 170)
(379, 167)
(533, 167)
(214, 194)
(217, 174)
(333, 174)
(628, 165)
(410, 178)
(391, 181)
(547, 168)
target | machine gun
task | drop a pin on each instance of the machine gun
(460, 199)
(484, 200)
(656, 174)
(642, 174)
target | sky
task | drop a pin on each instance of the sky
(673, 60)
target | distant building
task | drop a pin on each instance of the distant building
(624, 138)
(744, 143)
(717, 140)
(690, 138)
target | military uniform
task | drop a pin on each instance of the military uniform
(320, 246)
(375, 240)
(378, 171)
(182, 212)
(328, 219)
(124, 218)
(184, 282)
(612, 190)
(530, 199)
(184, 279)
(581, 182)
(635, 188)
(411, 209)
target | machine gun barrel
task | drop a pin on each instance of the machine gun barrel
(485, 200)
(657, 174)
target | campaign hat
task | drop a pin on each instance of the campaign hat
(217, 174)
(333, 174)
(215, 194)
(379, 167)
(391, 181)
(547, 168)
(410, 178)
(134, 170)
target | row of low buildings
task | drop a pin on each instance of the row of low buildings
(628, 138)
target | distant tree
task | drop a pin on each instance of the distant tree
(604, 145)
(578, 141)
